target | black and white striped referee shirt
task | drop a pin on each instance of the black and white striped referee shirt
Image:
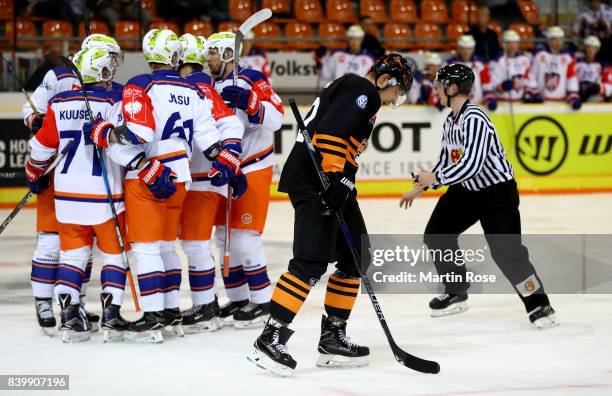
(472, 153)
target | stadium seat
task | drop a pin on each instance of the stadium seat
(127, 34)
(229, 26)
(333, 30)
(6, 10)
(428, 31)
(526, 33)
(340, 11)
(375, 9)
(496, 27)
(464, 12)
(240, 10)
(166, 25)
(277, 6)
(268, 30)
(198, 28)
(434, 11)
(55, 32)
(298, 30)
(397, 31)
(309, 11)
(95, 26)
(453, 32)
(25, 29)
(530, 11)
(151, 7)
(404, 11)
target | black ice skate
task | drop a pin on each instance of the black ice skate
(227, 311)
(336, 349)
(251, 315)
(147, 329)
(543, 317)
(113, 325)
(44, 314)
(202, 318)
(92, 317)
(270, 351)
(74, 325)
(173, 322)
(448, 304)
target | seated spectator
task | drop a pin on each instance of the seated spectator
(352, 60)
(370, 40)
(482, 88)
(422, 91)
(73, 11)
(596, 20)
(254, 58)
(594, 79)
(552, 76)
(111, 11)
(487, 42)
(51, 60)
(510, 72)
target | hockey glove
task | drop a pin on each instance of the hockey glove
(507, 85)
(588, 89)
(98, 131)
(529, 97)
(319, 54)
(158, 178)
(239, 185)
(37, 123)
(35, 175)
(241, 98)
(576, 103)
(337, 192)
(224, 167)
(492, 104)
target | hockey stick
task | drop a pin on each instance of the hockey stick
(9, 65)
(510, 92)
(403, 357)
(27, 197)
(109, 193)
(254, 20)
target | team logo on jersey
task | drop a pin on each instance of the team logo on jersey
(455, 154)
(133, 108)
(362, 101)
(247, 218)
(551, 81)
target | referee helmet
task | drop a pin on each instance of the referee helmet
(456, 73)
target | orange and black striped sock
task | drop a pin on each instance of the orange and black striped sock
(289, 294)
(340, 296)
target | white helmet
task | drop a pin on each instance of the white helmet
(510, 36)
(162, 46)
(555, 32)
(91, 62)
(355, 31)
(222, 42)
(432, 58)
(592, 41)
(193, 49)
(466, 41)
(104, 42)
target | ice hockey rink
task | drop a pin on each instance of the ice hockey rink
(489, 350)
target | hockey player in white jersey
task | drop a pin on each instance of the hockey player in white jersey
(254, 58)
(422, 91)
(510, 73)
(46, 255)
(81, 204)
(594, 79)
(260, 111)
(352, 60)
(482, 91)
(165, 116)
(205, 197)
(552, 76)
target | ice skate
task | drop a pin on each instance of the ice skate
(44, 314)
(251, 316)
(113, 325)
(147, 329)
(448, 304)
(92, 317)
(74, 325)
(270, 352)
(543, 317)
(336, 349)
(173, 322)
(202, 318)
(227, 311)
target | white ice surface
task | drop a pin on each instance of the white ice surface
(489, 350)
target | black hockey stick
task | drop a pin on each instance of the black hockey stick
(9, 65)
(109, 193)
(403, 357)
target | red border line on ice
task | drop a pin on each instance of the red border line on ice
(518, 389)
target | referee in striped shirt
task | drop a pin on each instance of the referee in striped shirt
(481, 188)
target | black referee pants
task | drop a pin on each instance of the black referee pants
(497, 209)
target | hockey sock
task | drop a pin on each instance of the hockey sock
(288, 297)
(87, 276)
(150, 270)
(45, 261)
(201, 271)
(251, 254)
(340, 295)
(236, 286)
(113, 276)
(172, 278)
(71, 272)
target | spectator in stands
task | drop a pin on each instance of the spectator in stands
(596, 20)
(552, 76)
(51, 60)
(482, 90)
(254, 58)
(510, 73)
(594, 79)
(111, 11)
(487, 42)
(353, 59)
(423, 91)
(370, 40)
(70, 10)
